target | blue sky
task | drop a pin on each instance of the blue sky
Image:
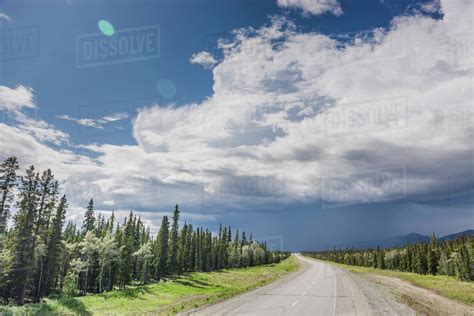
(347, 120)
(186, 27)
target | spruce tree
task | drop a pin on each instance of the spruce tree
(7, 181)
(161, 250)
(48, 190)
(174, 267)
(223, 249)
(433, 255)
(52, 264)
(126, 263)
(183, 248)
(89, 218)
(89, 256)
(22, 267)
(198, 255)
(108, 254)
(144, 254)
(111, 223)
(192, 251)
(47, 197)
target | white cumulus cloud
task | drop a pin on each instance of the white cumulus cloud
(96, 123)
(14, 99)
(13, 103)
(314, 7)
(5, 17)
(205, 59)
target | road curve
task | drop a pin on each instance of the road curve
(317, 289)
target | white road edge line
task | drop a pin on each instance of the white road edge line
(296, 302)
(335, 292)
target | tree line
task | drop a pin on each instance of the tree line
(451, 257)
(38, 257)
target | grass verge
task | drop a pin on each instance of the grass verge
(189, 291)
(443, 285)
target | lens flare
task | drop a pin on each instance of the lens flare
(106, 27)
(166, 88)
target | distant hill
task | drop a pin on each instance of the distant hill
(468, 232)
(399, 241)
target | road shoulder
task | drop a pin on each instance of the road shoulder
(423, 301)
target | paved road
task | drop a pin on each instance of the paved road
(317, 289)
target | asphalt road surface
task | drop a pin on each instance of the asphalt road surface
(317, 289)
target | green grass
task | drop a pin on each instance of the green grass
(187, 292)
(446, 286)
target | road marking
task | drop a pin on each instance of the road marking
(335, 291)
(304, 293)
(296, 302)
(309, 287)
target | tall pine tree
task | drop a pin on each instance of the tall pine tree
(173, 257)
(161, 250)
(7, 181)
(54, 246)
(89, 218)
(23, 237)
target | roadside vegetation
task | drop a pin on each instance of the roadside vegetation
(451, 258)
(188, 291)
(40, 259)
(446, 268)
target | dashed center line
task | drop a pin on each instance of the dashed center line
(296, 302)
(335, 293)
(304, 293)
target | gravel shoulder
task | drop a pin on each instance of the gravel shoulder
(371, 299)
(424, 301)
